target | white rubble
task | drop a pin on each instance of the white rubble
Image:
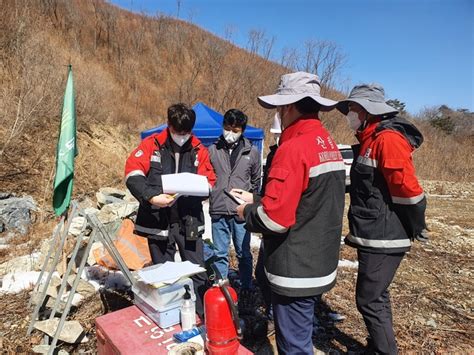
(18, 281)
(99, 276)
(78, 224)
(114, 211)
(20, 264)
(44, 349)
(108, 195)
(91, 259)
(348, 263)
(70, 333)
(84, 288)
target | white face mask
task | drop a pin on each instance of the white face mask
(231, 137)
(353, 120)
(180, 139)
(276, 125)
(279, 118)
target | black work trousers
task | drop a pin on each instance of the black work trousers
(262, 280)
(165, 250)
(376, 272)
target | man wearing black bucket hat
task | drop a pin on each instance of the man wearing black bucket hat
(387, 209)
(300, 213)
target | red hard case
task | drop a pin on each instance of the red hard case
(130, 332)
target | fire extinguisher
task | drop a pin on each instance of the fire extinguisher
(222, 319)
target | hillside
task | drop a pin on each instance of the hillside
(128, 68)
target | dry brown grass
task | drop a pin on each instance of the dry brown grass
(444, 157)
(128, 68)
(434, 282)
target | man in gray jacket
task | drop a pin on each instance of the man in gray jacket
(237, 165)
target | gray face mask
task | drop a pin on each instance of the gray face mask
(231, 137)
(180, 139)
(353, 120)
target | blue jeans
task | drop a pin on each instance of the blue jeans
(223, 228)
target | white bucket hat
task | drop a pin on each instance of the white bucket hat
(371, 97)
(295, 87)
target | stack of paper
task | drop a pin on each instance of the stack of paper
(185, 184)
(169, 272)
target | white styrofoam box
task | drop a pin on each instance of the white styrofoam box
(164, 317)
(164, 296)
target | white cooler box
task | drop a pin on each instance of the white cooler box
(162, 304)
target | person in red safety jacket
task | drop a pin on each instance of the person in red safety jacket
(300, 213)
(167, 221)
(387, 208)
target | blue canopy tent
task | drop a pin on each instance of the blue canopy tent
(208, 128)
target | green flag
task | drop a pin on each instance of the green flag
(66, 151)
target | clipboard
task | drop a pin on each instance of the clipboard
(234, 198)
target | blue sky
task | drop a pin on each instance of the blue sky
(421, 51)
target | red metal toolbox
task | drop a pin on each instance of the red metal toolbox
(130, 331)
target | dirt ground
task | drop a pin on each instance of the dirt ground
(431, 295)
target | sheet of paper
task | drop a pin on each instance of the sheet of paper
(234, 198)
(185, 184)
(169, 272)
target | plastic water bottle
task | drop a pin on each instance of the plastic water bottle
(188, 311)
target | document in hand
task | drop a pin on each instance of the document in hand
(234, 198)
(185, 184)
(169, 272)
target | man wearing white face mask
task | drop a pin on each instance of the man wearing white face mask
(300, 213)
(237, 165)
(165, 221)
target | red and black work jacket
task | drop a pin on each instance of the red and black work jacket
(388, 204)
(300, 214)
(143, 170)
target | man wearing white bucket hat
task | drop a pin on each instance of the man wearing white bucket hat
(387, 207)
(300, 214)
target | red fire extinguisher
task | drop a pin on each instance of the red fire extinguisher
(222, 319)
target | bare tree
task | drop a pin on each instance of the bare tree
(28, 87)
(178, 7)
(259, 44)
(229, 33)
(323, 58)
(289, 58)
